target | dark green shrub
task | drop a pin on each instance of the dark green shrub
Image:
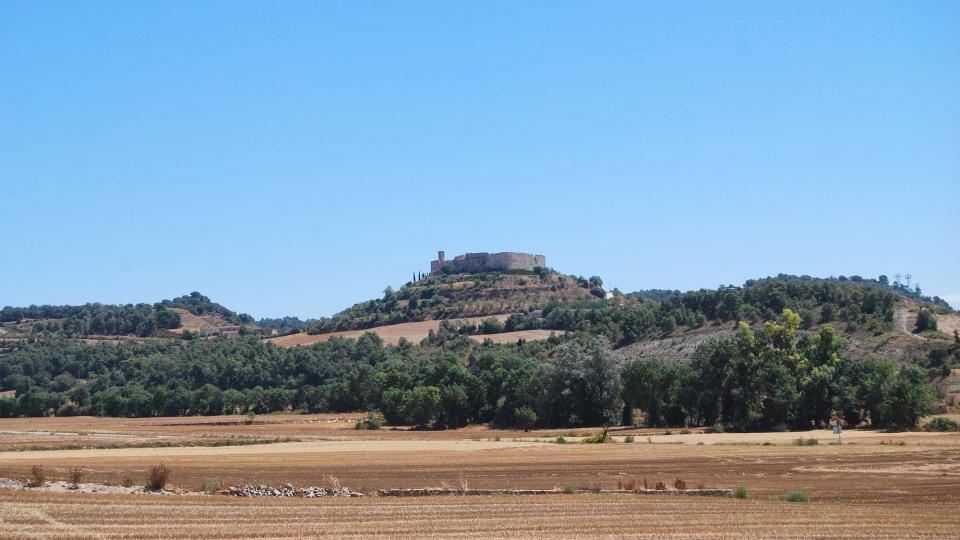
(371, 422)
(601, 437)
(941, 424)
(797, 496)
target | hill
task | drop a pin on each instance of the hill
(164, 319)
(781, 351)
(437, 297)
(877, 319)
(896, 342)
(200, 305)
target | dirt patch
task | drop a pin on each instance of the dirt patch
(513, 337)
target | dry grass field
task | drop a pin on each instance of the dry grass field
(894, 485)
(413, 332)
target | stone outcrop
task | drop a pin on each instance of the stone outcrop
(250, 490)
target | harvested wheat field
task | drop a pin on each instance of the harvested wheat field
(895, 485)
(554, 516)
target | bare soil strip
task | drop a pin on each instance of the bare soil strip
(413, 332)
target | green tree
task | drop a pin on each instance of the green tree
(641, 385)
(926, 321)
(421, 405)
(491, 325)
(391, 405)
(907, 398)
(525, 418)
(208, 400)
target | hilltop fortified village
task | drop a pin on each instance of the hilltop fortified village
(484, 262)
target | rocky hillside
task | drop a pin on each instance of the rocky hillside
(897, 341)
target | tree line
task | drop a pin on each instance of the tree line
(777, 378)
(141, 320)
(774, 376)
(855, 305)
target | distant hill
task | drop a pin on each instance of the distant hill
(199, 304)
(878, 319)
(166, 318)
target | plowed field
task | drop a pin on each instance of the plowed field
(873, 485)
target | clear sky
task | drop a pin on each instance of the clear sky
(292, 158)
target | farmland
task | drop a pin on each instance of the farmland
(413, 332)
(874, 484)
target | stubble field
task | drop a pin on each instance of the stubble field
(873, 485)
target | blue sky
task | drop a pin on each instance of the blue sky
(294, 158)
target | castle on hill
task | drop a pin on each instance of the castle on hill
(470, 263)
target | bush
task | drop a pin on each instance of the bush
(941, 424)
(37, 477)
(560, 440)
(740, 492)
(797, 496)
(371, 422)
(524, 417)
(806, 442)
(76, 476)
(628, 439)
(570, 490)
(157, 478)
(926, 320)
(601, 437)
